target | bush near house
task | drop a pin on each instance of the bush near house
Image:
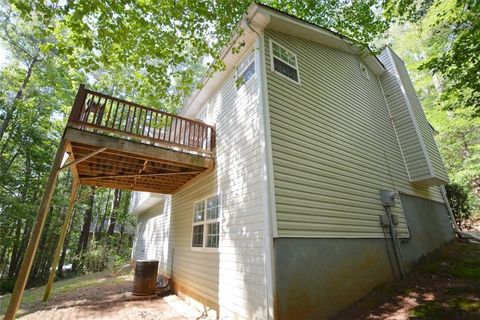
(460, 204)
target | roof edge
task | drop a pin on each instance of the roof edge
(262, 16)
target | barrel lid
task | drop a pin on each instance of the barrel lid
(146, 260)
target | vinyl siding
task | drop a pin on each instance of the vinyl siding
(425, 131)
(413, 153)
(333, 146)
(234, 276)
(152, 238)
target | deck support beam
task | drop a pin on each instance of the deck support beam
(35, 237)
(88, 156)
(61, 239)
(139, 175)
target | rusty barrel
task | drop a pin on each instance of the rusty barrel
(145, 280)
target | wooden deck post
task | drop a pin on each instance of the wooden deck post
(61, 239)
(35, 237)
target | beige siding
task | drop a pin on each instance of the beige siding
(415, 160)
(234, 276)
(237, 115)
(425, 133)
(334, 146)
(152, 238)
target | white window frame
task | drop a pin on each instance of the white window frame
(272, 67)
(239, 72)
(364, 71)
(205, 224)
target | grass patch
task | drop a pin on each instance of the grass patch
(456, 308)
(432, 310)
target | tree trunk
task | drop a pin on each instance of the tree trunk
(87, 222)
(65, 247)
(120, 240)
(3, 262)
(42, 252)
(14, 257)
(104, 217)
(18, 96)
(19, 247)
(113, 216)
(84, 234)
(52, 241)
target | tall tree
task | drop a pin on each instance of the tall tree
(113, 216)
(87, 222)
(454, 42)
(455, 121)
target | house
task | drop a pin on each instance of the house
(327, 179)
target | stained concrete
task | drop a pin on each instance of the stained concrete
(429, 227)
(318, 277)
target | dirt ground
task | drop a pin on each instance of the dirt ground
(105, 302)
(444, 286)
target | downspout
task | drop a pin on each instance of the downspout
(457, 230)
(269, 261)
(388, 201)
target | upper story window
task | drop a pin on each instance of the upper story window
(364, 71)
(206, 223)
(284, 62)
(246, 69)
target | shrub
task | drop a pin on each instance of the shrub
(460, 204)
(99, 257)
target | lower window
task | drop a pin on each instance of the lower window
(206, 223)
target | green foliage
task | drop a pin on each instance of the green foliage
(102, 257)
(453, 43)
(6, 285)
(459, 202)
(458, 60)
(454, 118)
(150, 49)
(94, 260)
(456, 308)
(359, 20)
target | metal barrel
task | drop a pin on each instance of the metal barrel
(145, 280)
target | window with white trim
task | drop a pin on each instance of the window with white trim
(246, 69)
(284, 62)
(364, 71)
(206, 223)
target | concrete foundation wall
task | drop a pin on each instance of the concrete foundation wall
(316, 278)
(429, 226)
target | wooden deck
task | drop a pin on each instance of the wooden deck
(113, 143)
(119, 144)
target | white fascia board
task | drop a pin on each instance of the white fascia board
(142, 201)
(244, 36)
(295, 27)
(259, 17)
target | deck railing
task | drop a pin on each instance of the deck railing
(96, 111)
